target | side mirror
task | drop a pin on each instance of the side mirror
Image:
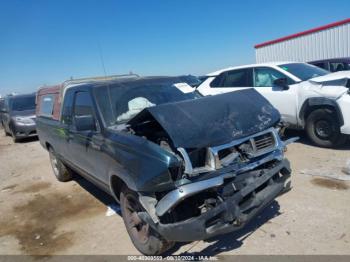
(281, 82)
(85, 123)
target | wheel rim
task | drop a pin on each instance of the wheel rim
(54, 163)
(137, 228)
(324, 129)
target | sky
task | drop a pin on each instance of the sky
(44, 42)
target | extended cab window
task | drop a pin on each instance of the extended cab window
(234, 78)
(46, 105)
(83, 106)
(265, 76)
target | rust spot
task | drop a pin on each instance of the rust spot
(34, 188)
(331, 184)
(35, 224)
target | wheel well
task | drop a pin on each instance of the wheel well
(117, 185)
(11, 126)
(310, 109)
(315, 103)
(47, 145)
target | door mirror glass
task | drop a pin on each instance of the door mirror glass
(281, 82)
(85, 123)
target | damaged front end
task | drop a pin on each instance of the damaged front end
(230, 163)
(237, 180)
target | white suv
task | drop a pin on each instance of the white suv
(307, 97)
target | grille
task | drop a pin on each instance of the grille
(263, 142)
(253, 147)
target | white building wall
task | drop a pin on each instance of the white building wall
(330, 43)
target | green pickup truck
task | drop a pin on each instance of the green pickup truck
(183, 167)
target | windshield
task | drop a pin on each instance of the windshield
(304, 71)
(119, 103)
(22, 103)
(191, 80)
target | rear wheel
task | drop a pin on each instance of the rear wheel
(323, 128)
(144, 238)
(61, 172)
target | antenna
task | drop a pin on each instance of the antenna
(108, 86)
(101, 58)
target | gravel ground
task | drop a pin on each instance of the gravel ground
(40, 216)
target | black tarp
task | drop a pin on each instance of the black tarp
(212, 120)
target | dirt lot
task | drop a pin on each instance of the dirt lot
(39, 215)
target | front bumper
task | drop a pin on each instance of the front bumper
(232, 214)
(22, 131)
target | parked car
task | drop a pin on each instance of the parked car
(183, 167)
(18, 116)
(333, 65)
(2, 108)
(307, 97)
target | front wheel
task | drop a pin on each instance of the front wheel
(5, 132)
(323, 128)
(144, 238)
(15, 139)
(61, 172)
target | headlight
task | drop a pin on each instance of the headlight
(24, 120)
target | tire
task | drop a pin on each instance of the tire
(5, 132)
(14, 138)
(323, 128)
(144, 238)
(61, 172)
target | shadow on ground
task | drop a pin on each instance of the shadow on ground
(28, 140)
(99, 194)
(234, 240)
(303, 139)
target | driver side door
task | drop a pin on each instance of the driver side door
(284, 99)
(85, 142)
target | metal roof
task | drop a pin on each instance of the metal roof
(215, 73)
(314, 30)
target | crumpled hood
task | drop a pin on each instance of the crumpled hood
(333, 85)
(212, 120)
(341, 75)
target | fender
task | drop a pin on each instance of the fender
(321, 101)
